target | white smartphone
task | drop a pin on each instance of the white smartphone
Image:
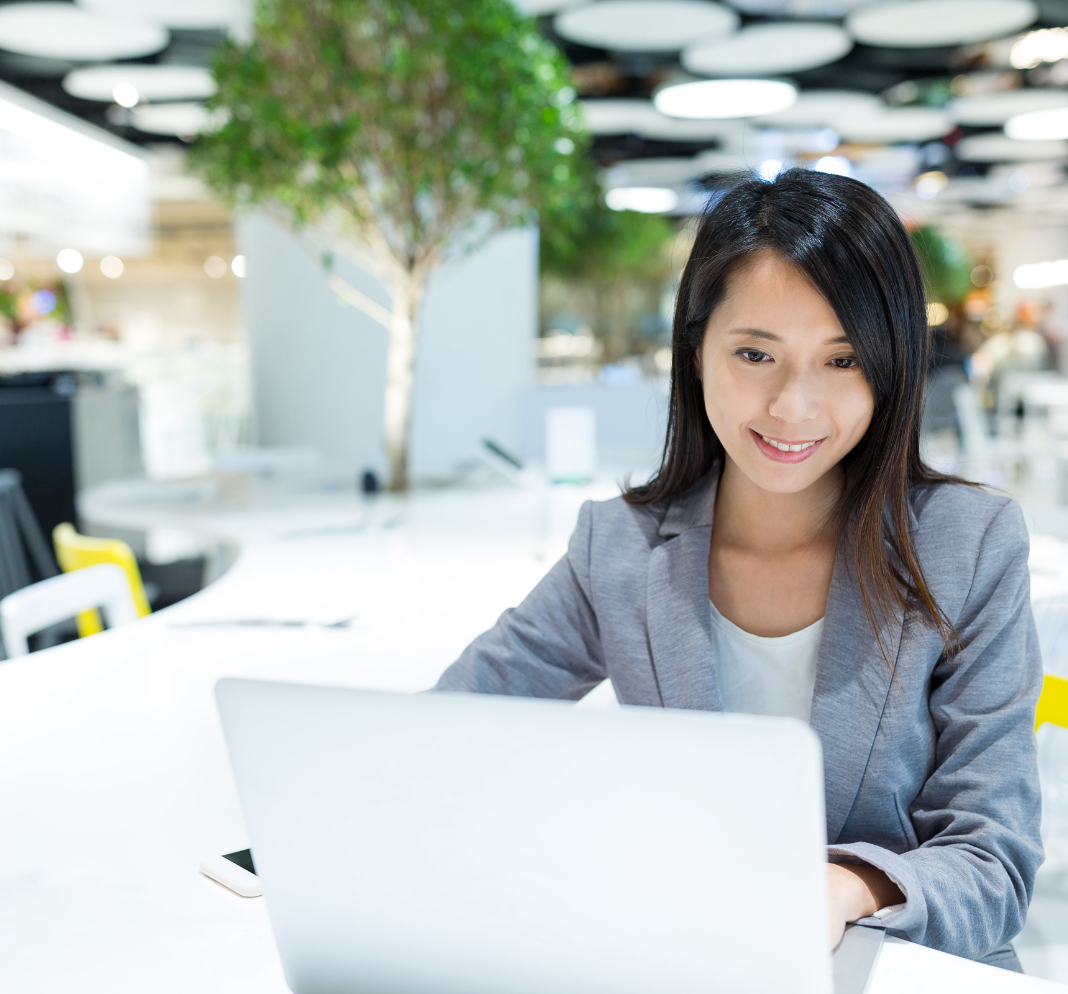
(234, 870)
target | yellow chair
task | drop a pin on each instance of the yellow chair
(1052, 702)
(73, 551)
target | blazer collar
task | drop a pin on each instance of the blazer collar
(694, 508)
(853, 680)
(677, 611)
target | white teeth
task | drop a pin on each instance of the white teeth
(786, 447)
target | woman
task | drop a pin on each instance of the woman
(794, 556)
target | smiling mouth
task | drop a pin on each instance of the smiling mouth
(789, 446)
(782, 451)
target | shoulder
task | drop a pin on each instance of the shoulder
(958, 509)
(960, 528)
(612, 539)
(621, 521)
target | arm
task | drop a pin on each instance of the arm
(549, 646)
(968, 884)
(855, 892)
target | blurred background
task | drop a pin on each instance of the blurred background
(201, 308)
(181, 328)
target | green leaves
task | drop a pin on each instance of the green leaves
(946, 265)
(603, 246)
(373, 108)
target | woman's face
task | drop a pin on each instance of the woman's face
(782, 387)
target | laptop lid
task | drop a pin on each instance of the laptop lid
(456, 844)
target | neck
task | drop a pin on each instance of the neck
(749, 517)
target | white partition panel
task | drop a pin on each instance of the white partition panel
(67, 184)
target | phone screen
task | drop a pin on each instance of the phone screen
(242, 859)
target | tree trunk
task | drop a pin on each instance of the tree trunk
(407, 293)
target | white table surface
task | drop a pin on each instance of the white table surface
(114, 776)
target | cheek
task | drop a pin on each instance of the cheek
(728, 399)
(853, 409)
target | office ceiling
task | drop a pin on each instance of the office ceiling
(889, 90)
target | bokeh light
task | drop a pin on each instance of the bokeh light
(215, 267)
(70, 261)
(43, 302)
(111, 266)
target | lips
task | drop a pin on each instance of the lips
(783, 450)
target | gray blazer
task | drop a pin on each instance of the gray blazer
(930, 771)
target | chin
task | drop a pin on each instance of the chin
(790, 482)
(782, 478)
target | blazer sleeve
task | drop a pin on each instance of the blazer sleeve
(548, 646)
(968, 884)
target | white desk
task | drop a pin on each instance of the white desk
(113, 772)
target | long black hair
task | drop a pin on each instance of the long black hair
(849, 242)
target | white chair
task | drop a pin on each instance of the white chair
(979, 449)
(1013, 388)
(58, 598)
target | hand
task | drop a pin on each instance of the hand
(856, 892)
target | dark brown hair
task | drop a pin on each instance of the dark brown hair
(851, 245)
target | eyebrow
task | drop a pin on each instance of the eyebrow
(772, 337)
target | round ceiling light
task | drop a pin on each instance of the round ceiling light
(190, 14)
(50, 30)
(992, 109)
(1039, 125)
(647, 199)
(767, 49)
(938, 23)
(618, 117)
(639, 117)
(162, 82)
(537, 8)
(182, 120)
(825, 108)
(903, 124)
(720, 98)
(654, 172)
(798, 8)
(1001, 148)
(644, 25)
(725, 132)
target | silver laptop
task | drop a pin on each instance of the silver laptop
(455, 844)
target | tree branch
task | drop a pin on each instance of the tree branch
(349, 294)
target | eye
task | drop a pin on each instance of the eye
(753, 355)
(845, 362)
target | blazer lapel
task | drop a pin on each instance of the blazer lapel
(852, 684)
(677, 612)
(853, 680)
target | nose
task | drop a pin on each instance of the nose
(796, 400)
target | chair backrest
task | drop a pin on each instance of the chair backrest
(61, 597)
(1052, 702)
(24, 553)
(1013, 384)
(76, 551)
(974, 432)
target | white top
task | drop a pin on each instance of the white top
(760, 675)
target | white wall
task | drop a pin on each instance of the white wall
(318, 367)
(631, 421)
(1019, 245)
(476, 353)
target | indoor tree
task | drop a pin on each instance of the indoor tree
(404, 131)
(609, 254)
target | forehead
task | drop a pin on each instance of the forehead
(766, 290)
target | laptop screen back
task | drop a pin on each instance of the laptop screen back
(453, 844)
